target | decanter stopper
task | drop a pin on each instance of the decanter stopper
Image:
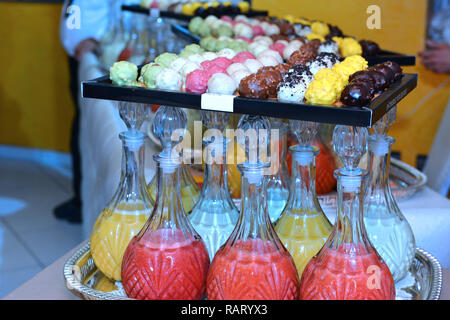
(254, 137)
(350, 144)
(133, 114)
(169, 126)
(304, 131)
(382, 126)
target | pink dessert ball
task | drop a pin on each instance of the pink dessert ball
(258, 31)
(279, 47)
(227, 19)
(197, 81)
(242, 56)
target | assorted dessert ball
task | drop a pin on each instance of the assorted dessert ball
(294, 70)
(241, 32)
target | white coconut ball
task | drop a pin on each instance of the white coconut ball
(221, 83)
(198, 58)
(256, 48)
(235, 67)
(254, 22)
(253, 65)
(227, 53)
(169, 79)
(243, 30)
(289, 50)
(177, 64)
(271, 53)
(241, 17)
(239, 75)
(264, 39)
(190, 66)
(296, 43)
(284, 42)
(272, 29)
(210, 20)
(265, 25)
(268, 61)
(209, 55)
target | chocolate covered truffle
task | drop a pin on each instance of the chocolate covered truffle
(380, 80)
(250, 87)
(386, 71)
(395, 68)
(356, 94)
(369, 48)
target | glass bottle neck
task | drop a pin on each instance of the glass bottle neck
(132, 177)
(302, 193)
(253, 216)
(379, 153)
(349, 227)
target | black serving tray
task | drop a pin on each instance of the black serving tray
(102, 88)
(183, 17)
(402, 59)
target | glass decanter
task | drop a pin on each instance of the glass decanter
(115, 38)
(138, 46)
(277, 183)
(214, 216)
(303, 227)
(130, 206)
(167, 259)
(189, 189)
(253, 264)
(348, 267)
(387, 228)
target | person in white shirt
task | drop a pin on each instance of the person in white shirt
(82, 24)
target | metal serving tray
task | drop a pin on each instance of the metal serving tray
(102, 88)
(384, 55)
(84, 280)
(183, 17)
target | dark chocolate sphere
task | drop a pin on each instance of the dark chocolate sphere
(200, 12)
(386, 71)
(369, 48)
(395, 68)
(380, 80)
(356, 94)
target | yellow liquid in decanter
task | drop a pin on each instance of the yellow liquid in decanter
(111, 234)
(303, 234)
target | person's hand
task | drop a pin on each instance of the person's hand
(436, 57)
(87, 45)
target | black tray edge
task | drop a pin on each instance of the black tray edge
(101, 88)
(183, 17)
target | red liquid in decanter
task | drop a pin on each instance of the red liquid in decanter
(252, 270)
(165, 265)
(349, 273)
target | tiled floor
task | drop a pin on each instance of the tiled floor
(30, 237)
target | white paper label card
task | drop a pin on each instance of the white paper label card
(154, 12)
(217, 102)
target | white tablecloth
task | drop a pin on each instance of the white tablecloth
(428, 212)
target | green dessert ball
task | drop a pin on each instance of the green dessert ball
(208, 43)
(123, 73)
(224, 30)
(185, 54)
(149, 73)
(222, 44)
(204, 30)
(195, 24)
(165, 59)
(194, 48)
